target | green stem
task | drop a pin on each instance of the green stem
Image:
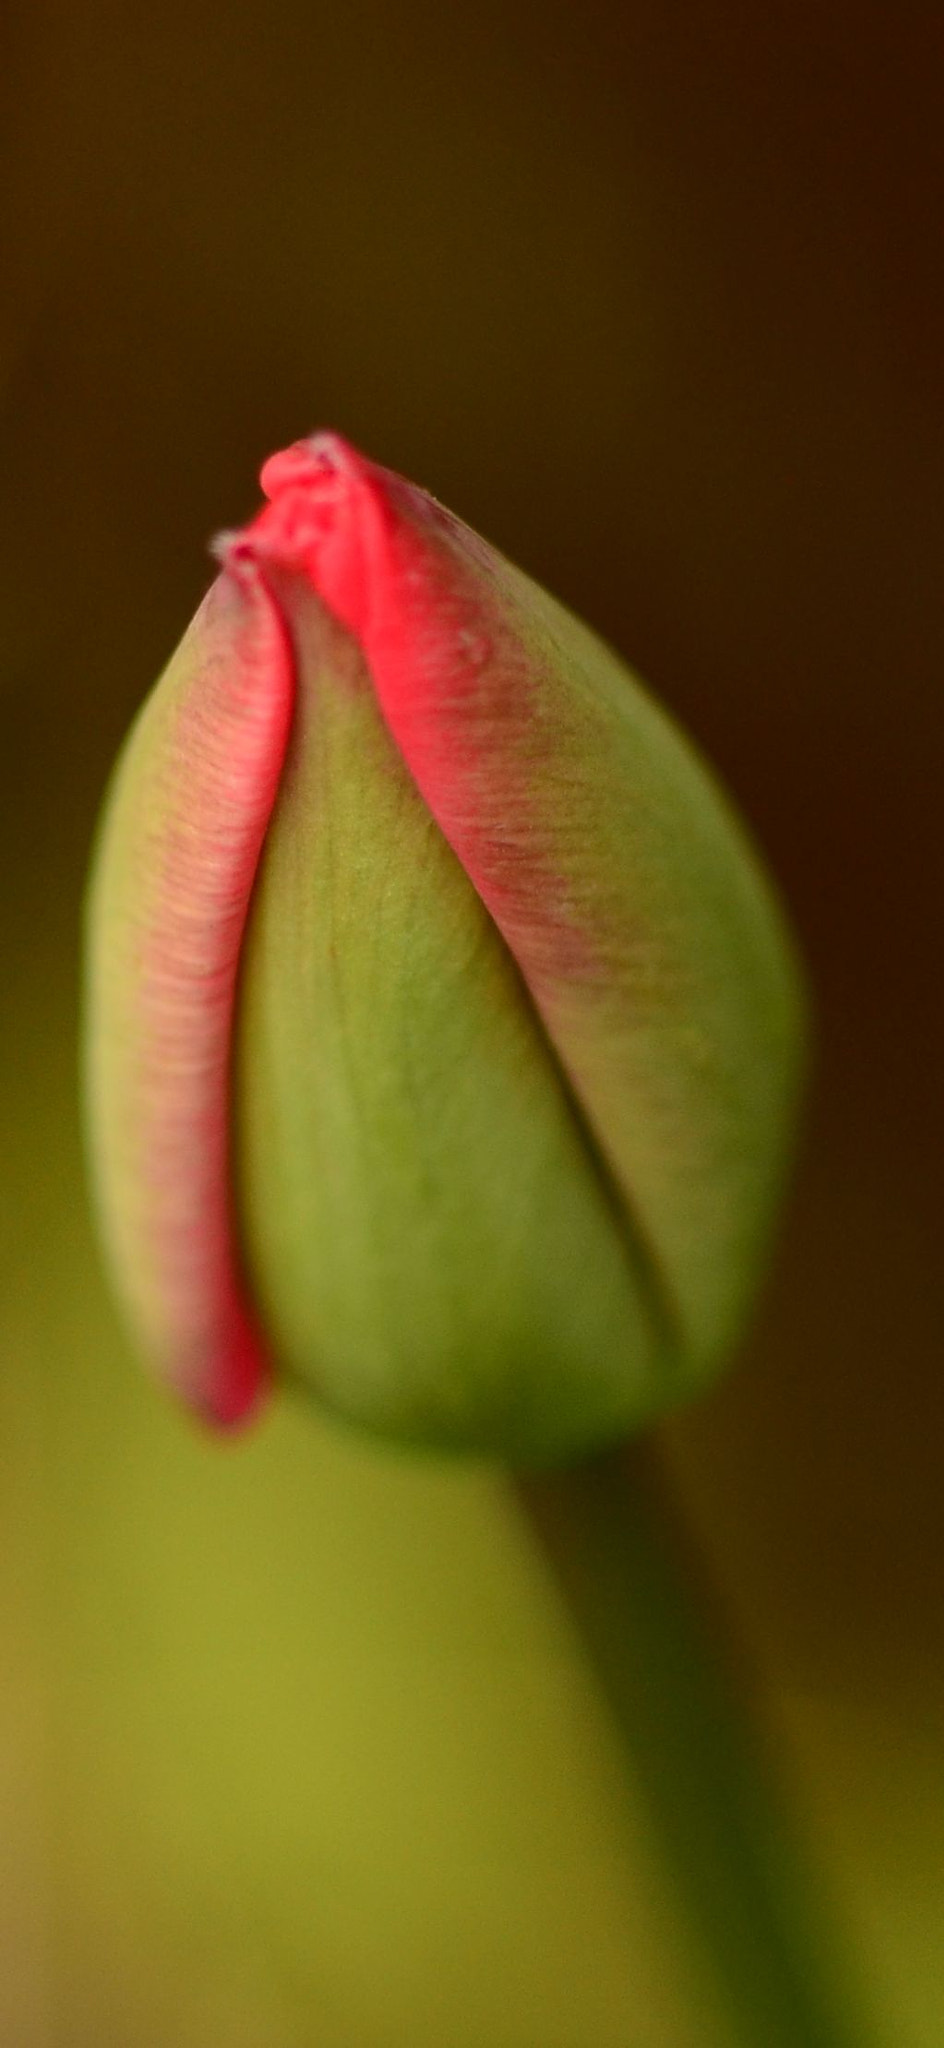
(605, 1526)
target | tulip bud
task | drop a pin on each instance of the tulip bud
(442, 1032)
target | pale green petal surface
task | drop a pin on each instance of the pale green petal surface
(432, 1244)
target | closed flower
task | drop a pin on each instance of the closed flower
(441, 1028)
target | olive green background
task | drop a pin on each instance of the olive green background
(295, 1749)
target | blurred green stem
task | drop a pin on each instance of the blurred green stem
(606, 1528)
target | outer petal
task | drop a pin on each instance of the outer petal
(604, 852)
(175, 866)
(433, 1246)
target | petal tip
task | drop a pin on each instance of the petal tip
(323, 518)
(318, 460)
(232, 1388)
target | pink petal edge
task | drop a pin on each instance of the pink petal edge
(229, 744)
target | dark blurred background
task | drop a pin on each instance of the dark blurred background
(293, 1748)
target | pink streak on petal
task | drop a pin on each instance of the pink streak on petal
(173, 1203)
(458, 689)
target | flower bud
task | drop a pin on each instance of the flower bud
(441, 1028)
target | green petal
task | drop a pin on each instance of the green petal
(432, 1243)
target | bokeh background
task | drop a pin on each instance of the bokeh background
(295, 1748)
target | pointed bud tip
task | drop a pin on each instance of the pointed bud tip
(318, 461)
(324, 519)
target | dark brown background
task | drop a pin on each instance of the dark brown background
(651, 295)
